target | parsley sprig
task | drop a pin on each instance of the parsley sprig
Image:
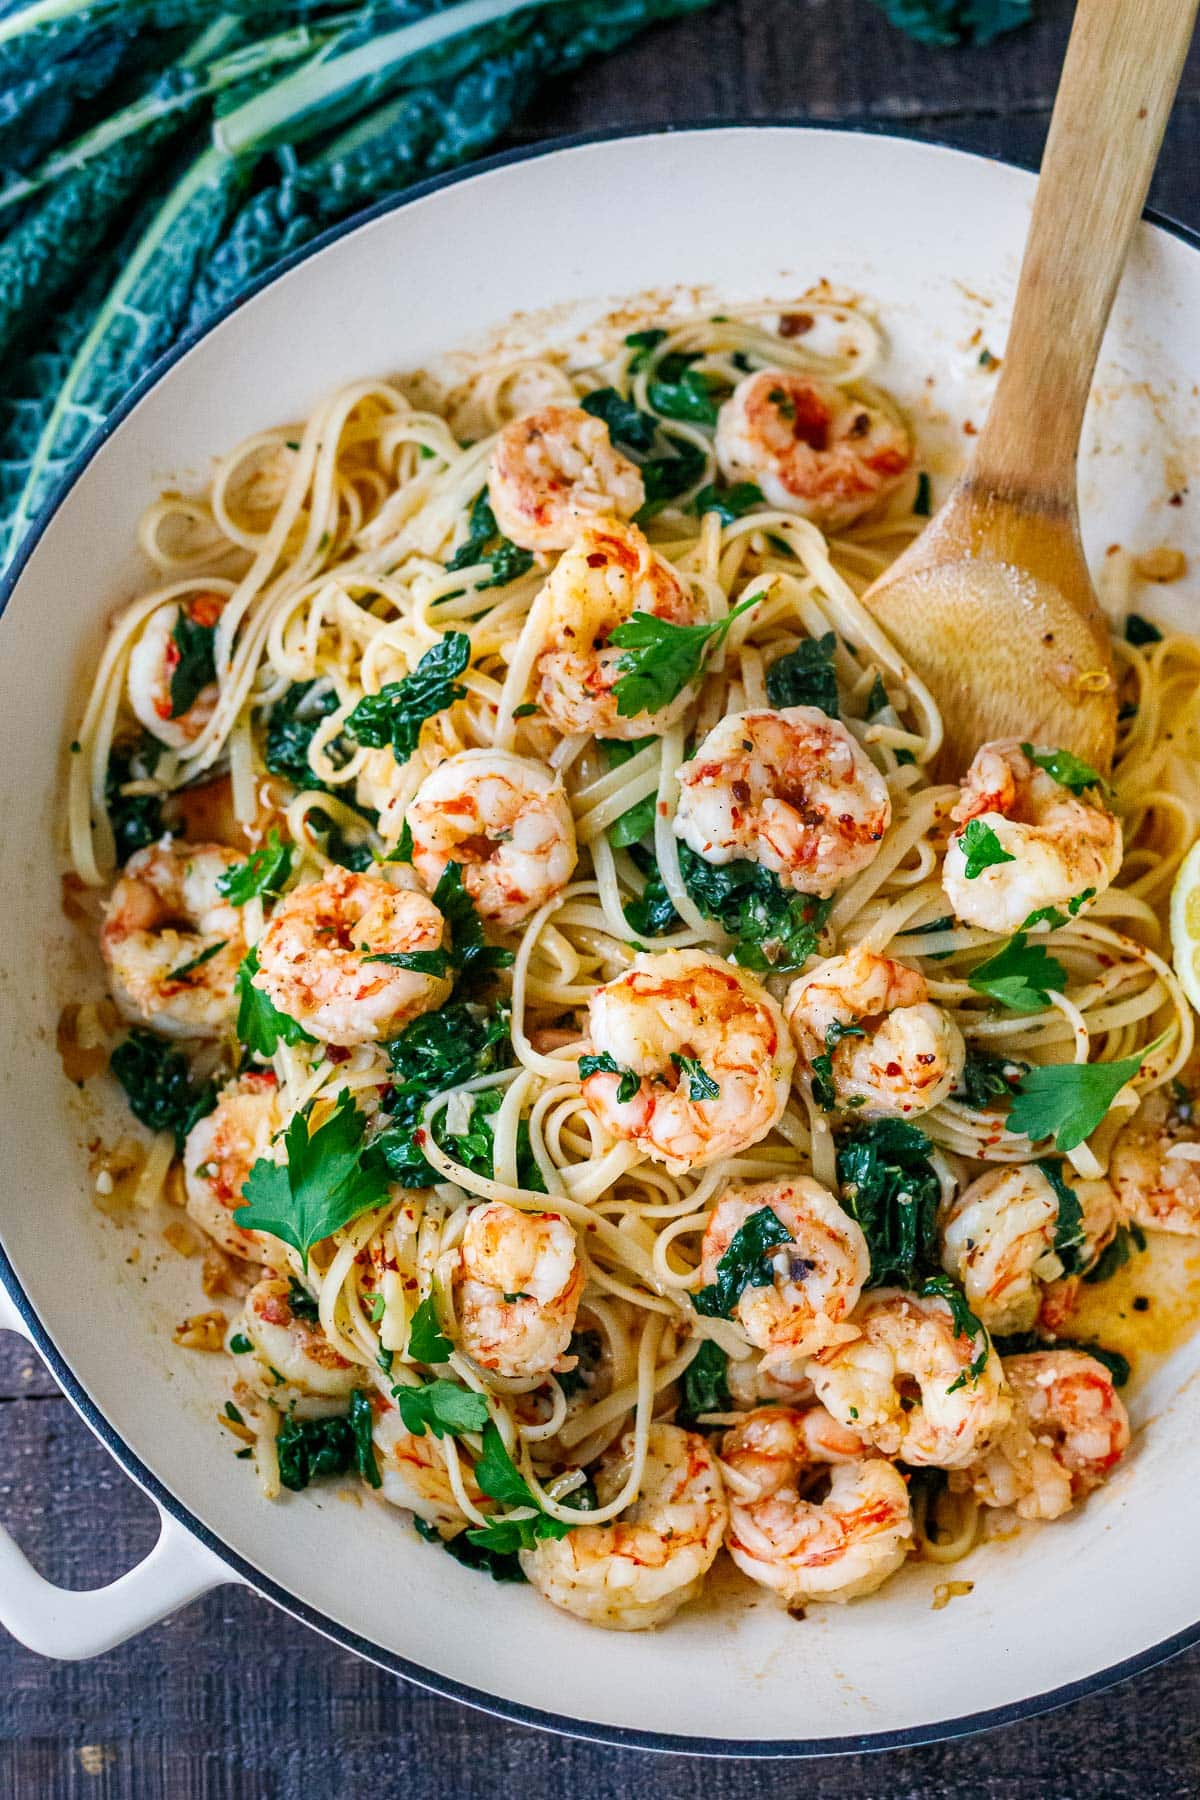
(265, 872)
(982, 849)
(662, 658)
(1069, 770)
(329, 1178)
(1067, 1101)
(1021, 976)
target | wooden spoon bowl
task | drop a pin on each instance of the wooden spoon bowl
(993, 604)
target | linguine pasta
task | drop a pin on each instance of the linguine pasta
(302, 589)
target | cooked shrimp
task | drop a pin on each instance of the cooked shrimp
(868, 1025)
(517, 1289)
(153, 663)
(910, 1383)
(1064, 848)
(555, 469)
(288, 1349)
(684, 1022)
(505, 821)
(413, 1471)
(751, 1382)
(219, 1153)
(609, 573)
(999, 1240)
(321, 957)
(790, 790)
(817, 1277)
(639, 1570)
(811, 446)
(171, 940)
(1068, 1431)
(1155, 1165)
(806, 1548)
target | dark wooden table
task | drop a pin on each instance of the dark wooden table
(233, 1701)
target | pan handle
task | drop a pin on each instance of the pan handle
(74, 1624)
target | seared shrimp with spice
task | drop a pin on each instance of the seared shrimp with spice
(812, 447)
(505, 821)
(352, 959)
(816, 1277)
(789, 1536)
(517, 1289)
(870, 1038)
(608, 573)
(554, 470)
(790, 790)
(692, 1060)
(288, 1347)
(172, 941)
(1155, 1165)
(220, 1151)
(1044, 845)
(638, 1570)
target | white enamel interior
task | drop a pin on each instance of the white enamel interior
(740, 213)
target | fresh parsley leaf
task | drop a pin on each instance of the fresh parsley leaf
(426, 1344)
(159, 1087)
(965, 1325)
(626, 423)
(136, 819)
(661, 658)
(403, 849)
(1067, 1101)
(507, 1536)
(497, 1473)
(701, 1085)
(746, 1263)
(806, 676)
(704, 1386)
(260, 1024)
(443, 1406)
(397, 712)
(774, 929)
(1069, 1236)
(729, 503)
(1021, 976)
(986, 1078)
(191, 658)
(643, 343)
(501, 1566)
(1069, 770)
(421, 962)
(265, 871)
(982, 849)
(890, 1186)
(604, 1064)
(1141, 631)
(329, 1178)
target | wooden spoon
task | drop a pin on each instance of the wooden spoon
(993, 604)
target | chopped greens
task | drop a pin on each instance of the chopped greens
(191, 658)
(604, 1064)
(329, 1178)
(437, 1051)
(1067, 1101)
(1069, 770)
(159, 1087)
(638, 821)
(260, 1024)
(310, 1448)
(193, 963)
(1140, 631)
(499, 1477)
(729, 503)
(806, 676)
(397, 712)
(746, 1263)
(1069, 1236)
(302, 1304)
(701, 1085)
(1115, 1254)
(704, 1386)
(986, 1078)
(653, 912)
(500, 1565)
(774, 929)
(965, 1325)
(1021, 976)
(471, 954)
(822, 1066)
(643, 344)
(666, 477)
(485, 542)
(982, 849)
(291, 727)
(678, 391)
(662, 658)
(890, 1186)
(1025, 1343)
(136, 819)
(265, 872)
(626, 423)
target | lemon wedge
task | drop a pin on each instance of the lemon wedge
(1185, 925)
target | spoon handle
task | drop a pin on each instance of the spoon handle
(1122, 68)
